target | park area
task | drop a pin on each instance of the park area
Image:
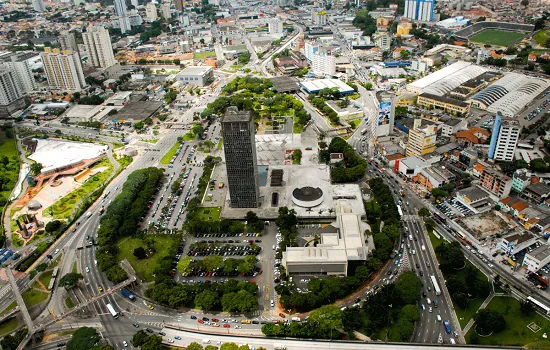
(209, 213)
(9, 163)
(521, 329)
(157, 248)
(542, 36)
(497, 37)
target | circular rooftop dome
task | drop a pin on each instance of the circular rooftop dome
(307, 197)
(34, 205)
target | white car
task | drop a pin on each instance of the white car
(125, 343)
(87, 269)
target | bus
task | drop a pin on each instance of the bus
(436, 286)
(538, 304)
(447, 326)
(440, 218)
(113, 311)
(364, 131)
(399, 211)
(460, 235)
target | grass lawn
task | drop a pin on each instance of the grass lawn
(203, 55)
(69, 303)
(190, 136)
(75, 268)
(10, 172)
(497, 37)
(16, 240)
(145, 267)
(436, 242)
(209, 213)
(171, 152)
(9, 308)
(34, 297)
(541, 36)
(517, 331)
(63, 208)
(124, 161)
(9, 326)
(153, 141)
(45, 278)
(464, 316)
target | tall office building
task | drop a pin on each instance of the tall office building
(179, 4)
(63, 70)
(240, 158)
(135, 3)
(420, 10)
(504, 138)
(11, 97)
(20, 64)
(421, 139)
(67, 41)
(323, 63)
(38, 5)
(151, 12)
(124, 24)
(165, 9)
(120, 8)
(98, 45)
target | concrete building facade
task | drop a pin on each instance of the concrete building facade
(504, 138)
(151, 12)
(11, 97)
(238, 132)
(98, 45)
(421, 139)
(63, 70)
(197, 75)
(420, 10)
(67, 41)
(20, 64)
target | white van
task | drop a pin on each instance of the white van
(423, 247)
(414, 252)
(429, 301)
(438, 318)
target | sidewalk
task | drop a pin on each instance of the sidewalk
(483, 306)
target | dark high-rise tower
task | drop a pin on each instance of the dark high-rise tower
(240, 158)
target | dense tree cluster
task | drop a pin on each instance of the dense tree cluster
(463, 287)
(451, 256)
(351, 169)
(95, 100)
(147, 341)
(231, 296)
(365, 22)
(11, 342)
(86, 338)
(489, 321)
(9, 165)
(70, 280)
(122, 218)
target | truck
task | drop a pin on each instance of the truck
(128, 294)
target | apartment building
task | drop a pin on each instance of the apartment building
(20, 63)
(67, 40)
(421, 139)
(98, 45)
(63, 70)
(11, 96)
(496, 183)
(420, 10)
(504, 138)
(151, 12)
(520, 180)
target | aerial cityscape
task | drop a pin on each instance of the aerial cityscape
(274, 174)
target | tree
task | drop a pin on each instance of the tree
(525, 2)
(140, 253)
(328, 316)
(409, 286)
(194, 346)
(526, 308)
(352, 319)
(139, 125)
(212, 262)
(83, 339)
(368, 85)
(36, 168)
(116, 274)
(439, 193)
(184, 265)
(489, 321)
(207, 300)
(70, 280)
(423, 212)
(451, 256)
(11, 342)
(53, 226)
(229, 346)
(242, 301)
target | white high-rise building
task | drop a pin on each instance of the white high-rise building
(38, 5)
(420, 10)
(165, 10)
(63, 70)
(151, 12)
(120, 8)
(275, 26)
(67, 41)
(11, 97)
(135, 3)
(124, 24)
(98, 44)
(324, 64)
(20, 64)
(504, 138)
(319, 17)
(135, 19)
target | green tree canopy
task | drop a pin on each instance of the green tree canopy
(83, 339)
(70, 280)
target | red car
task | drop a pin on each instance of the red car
(226, 325)
(282, 315)
(215, 320)
(200, 321)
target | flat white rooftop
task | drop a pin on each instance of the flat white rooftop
(55, 154)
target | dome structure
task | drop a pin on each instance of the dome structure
(307, 197)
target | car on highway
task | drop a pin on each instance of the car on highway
(282, 315)
(215, 324)
(124, 343)
(200, 321)
(87, 269)
(100, 288)
(162, 333)
(226, 325)
(193, 317)
(149, 330)
(135, 325)
(177, 337)
(246, 321)
(150, 307)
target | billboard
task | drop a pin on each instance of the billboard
(384, 113)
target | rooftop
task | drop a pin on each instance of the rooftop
(195, 70)
(539, 188)
(540, 253)
(233, 115)
(444, 99)
(519, 238)
(474, 194)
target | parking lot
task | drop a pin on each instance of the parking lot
(454, 209)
